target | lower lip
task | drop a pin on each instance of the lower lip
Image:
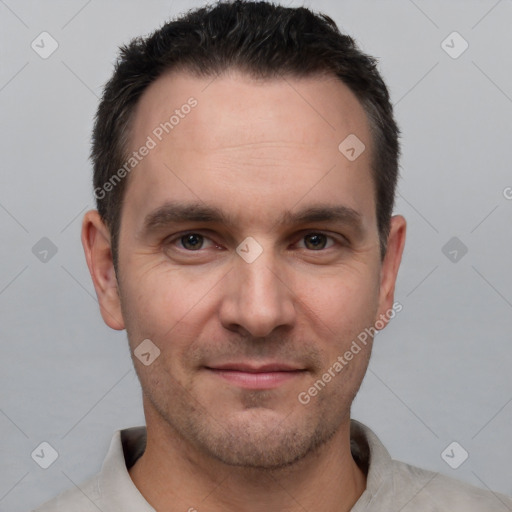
(263, 380)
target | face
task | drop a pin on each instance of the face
(249, 255)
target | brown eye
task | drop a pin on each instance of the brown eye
(315, 241)
(192, 241)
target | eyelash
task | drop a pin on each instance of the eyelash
(339, 240)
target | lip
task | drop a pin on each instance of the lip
(250, 376)
(252, 368)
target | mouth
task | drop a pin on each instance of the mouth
(248, 376)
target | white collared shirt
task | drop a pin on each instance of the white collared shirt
(392, 486)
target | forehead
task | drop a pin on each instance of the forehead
(232, 139)
(319, 108)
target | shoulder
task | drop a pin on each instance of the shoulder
(77, 499)
(395, 485)
(111, 488)
(435, 492)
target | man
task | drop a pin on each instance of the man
(245, 162)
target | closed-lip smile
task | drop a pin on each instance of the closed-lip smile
(256, 376)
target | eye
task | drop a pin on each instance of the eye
(317, 241)
(193, 241)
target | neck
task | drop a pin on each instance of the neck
(173, 476)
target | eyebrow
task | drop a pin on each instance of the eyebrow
(179, 212)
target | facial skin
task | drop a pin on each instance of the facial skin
(260, 154)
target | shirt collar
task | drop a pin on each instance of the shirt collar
(372, 456)
(116, 486)
(120, 493)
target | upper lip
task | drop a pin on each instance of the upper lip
(255, 368)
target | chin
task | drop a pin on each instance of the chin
(260, 439)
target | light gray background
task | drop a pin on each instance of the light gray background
(440, 372)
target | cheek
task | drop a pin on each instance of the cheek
(160, 302)
(345, 303)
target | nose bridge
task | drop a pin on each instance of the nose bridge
(260, 281)
(256, 299)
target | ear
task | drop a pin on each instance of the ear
(390, 265)
(96, 243)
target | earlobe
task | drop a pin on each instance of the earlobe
(96, 244)
(390, 266)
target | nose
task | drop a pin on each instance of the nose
(257, 299)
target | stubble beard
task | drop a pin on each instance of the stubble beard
(260, 440)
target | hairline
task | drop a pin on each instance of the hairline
(187, 68)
